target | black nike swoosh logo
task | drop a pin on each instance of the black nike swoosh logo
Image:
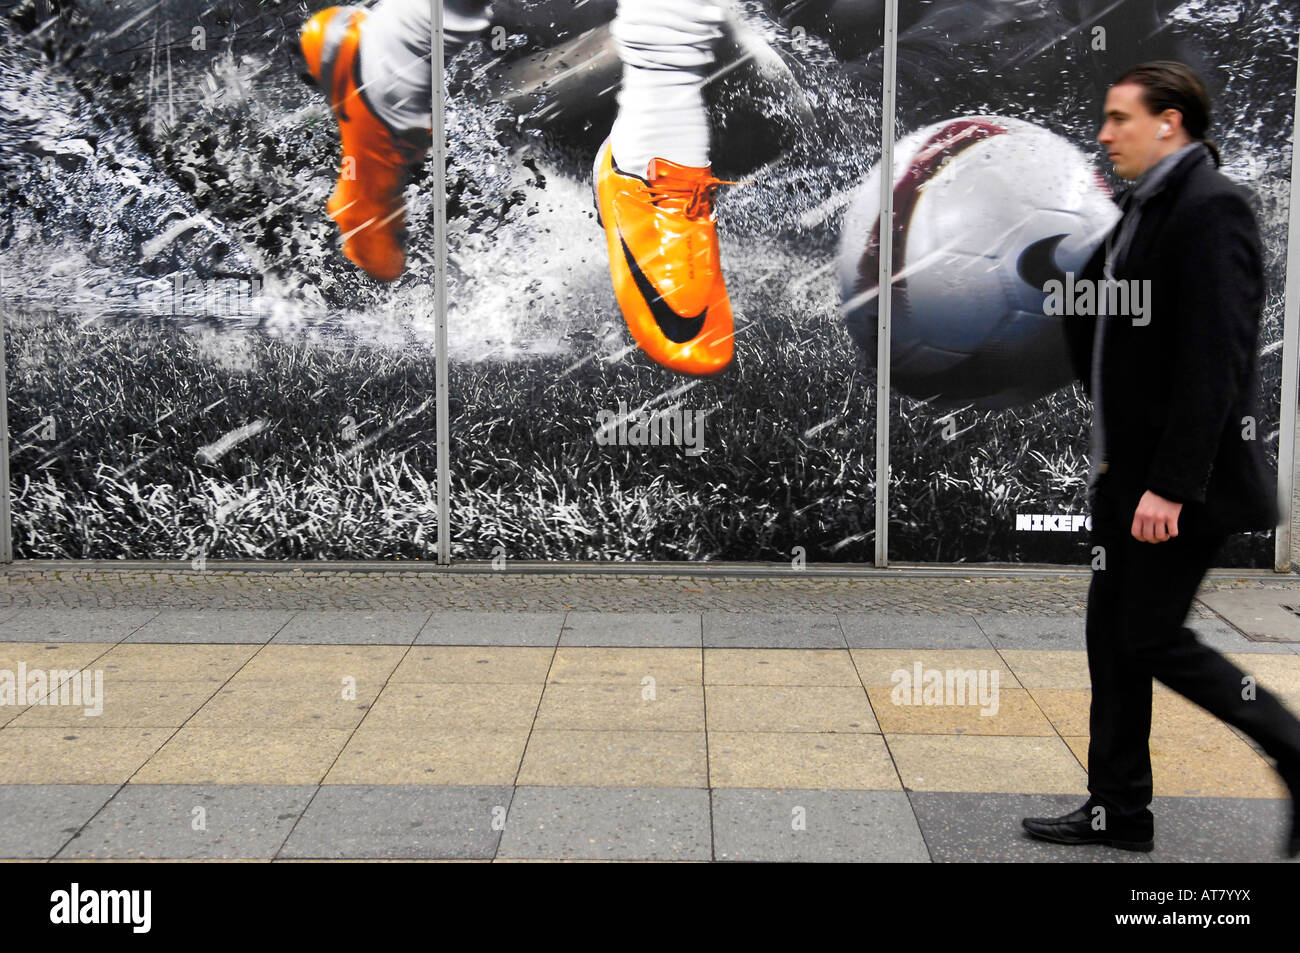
(676, 328)
(1037, 264)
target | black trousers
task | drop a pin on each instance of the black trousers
(1136, 608)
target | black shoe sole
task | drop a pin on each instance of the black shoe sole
(1141, 846)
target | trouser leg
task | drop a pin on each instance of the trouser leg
(1160, 644)
(1119, 719)
(1141, 601)
(666, 47)
(396, 40)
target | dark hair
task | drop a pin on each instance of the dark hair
(1168, 84)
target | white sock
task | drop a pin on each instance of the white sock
(396, 38)
(667, 51)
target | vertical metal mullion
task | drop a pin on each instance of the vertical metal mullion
(440, 284)
(885, 278)
(1290, 319)
(6, 534)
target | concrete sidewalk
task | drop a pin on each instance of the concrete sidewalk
(319, 714)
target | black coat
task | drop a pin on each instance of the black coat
(1176, 392)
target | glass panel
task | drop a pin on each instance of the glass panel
(1000, 105)
(556, 410)
(196, 372)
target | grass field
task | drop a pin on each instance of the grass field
(330, 454)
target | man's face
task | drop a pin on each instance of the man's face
(1129, 132)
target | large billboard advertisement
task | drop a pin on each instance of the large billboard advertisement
(218, 264)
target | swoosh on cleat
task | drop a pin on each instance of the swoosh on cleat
(676, 328)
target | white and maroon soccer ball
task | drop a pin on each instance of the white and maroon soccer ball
(986, 211)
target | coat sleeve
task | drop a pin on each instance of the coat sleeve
(1220, 290)
(1079, 329)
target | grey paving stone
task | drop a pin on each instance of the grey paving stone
(632, 629)
(838, 826)
(73, 625)
(1011, 630)
(184, 822)
(36, 819)
(352, 627)
(792, 630)
(491, 628)
(608, 824)
(963, 827)
(248, 626)
(7, 613)
(399, 821)
(880, 630)
(1220, 829)
(1259, 613)
(1223, 637)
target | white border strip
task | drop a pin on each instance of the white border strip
(885, 279)
(438, 157)
(1290, 320)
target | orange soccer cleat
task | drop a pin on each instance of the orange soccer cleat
(367, 203)
(663, 257)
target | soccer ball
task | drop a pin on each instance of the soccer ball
(986, 211)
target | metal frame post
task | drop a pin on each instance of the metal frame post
(885, 279)
(6, 530)
(1290, 330)
(438, 153)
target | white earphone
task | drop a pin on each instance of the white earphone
(1164, 130)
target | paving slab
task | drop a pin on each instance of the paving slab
(192, 822)
(1009, 630)
(400, 821)
(451, 627)
(37, 819)
(609, 758)
(623, 706)
(1260, 614)
(212, 625)
(73, 625)
(988, 763)
(1216, 763)
(608, 824)
(823, 667)
(941, 630)
(796, 759)
(961, 827)
(415, 754)
(1203, 830)
(755, 824)
(244, 754)
(357, 627)
(786, 630)
(637, 666)
(474, 663)
(628, 629)
(789, 708)
(84, 755)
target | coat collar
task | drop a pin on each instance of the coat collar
(1168, 171)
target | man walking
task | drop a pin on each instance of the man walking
(1176, 466)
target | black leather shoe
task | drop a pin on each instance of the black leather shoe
(1126, 833)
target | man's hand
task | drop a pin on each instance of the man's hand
(1156, 519)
